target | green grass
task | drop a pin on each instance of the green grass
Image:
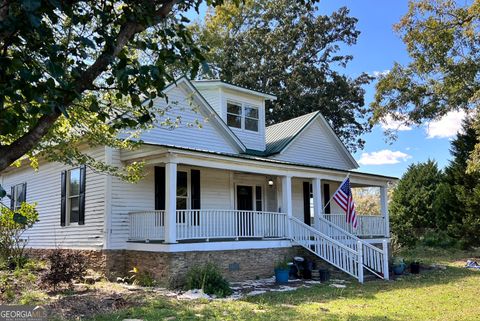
(451, 294)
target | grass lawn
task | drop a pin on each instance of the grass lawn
(451, 294)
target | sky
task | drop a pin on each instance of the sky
(377, 48)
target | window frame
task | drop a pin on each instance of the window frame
(243, 115)
(69, 197)
(182, 219)
(17, 205)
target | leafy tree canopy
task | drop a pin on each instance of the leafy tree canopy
(288, 49)
(412, 202)
(443, 41)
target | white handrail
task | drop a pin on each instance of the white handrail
(373, 257)
(328, 249)
(368, 225)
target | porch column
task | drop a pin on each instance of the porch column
(384, 209)
(317, 201)
(170, 203)
(287, 200)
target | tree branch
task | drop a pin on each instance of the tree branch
(30, 139)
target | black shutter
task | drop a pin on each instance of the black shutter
(63, 202)
(24, 192)
(326, 197)
(306, 203)
(12, 198)
(159, 188)
(81, 197)
(195, 185)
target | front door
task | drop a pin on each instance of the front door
(244, 207)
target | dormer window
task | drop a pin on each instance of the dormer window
(234, 115)
(243, 116)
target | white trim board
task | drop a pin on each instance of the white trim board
(208, 246)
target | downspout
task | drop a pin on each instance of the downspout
(107, 221)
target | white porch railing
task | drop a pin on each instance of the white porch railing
(209, 224)
(373, 258)
(327, 248)
(147, 225)
(368, 225)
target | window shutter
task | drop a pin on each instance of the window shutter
(24, 192)
(63, 202)
(306, 203)
(12, 198)
(195, 185)
(326, 197)
(159, 188)
(81, 197)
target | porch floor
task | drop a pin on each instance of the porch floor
(212, 240)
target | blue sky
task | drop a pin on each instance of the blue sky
(378, 47)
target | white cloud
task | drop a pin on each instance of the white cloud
(388, 123)
(378, 74)
(447, 126)
(383, 157)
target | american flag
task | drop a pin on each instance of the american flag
(343, 197)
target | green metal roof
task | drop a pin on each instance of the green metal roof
(278, 136)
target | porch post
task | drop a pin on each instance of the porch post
(170, 203)
(317, 201)
(287, 201)
(384, 209)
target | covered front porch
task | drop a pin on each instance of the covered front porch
(202, 199)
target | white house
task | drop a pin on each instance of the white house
(219, 187)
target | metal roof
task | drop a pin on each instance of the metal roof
(278, 136)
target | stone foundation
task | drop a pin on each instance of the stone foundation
(170, 269)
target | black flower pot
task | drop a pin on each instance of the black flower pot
(415, 267)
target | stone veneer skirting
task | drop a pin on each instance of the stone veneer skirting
(170, 268)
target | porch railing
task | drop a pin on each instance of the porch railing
(368, 225)
(209, 224)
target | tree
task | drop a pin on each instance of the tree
(462, 221)
(443, 41)
(287, 49)
(411, 206)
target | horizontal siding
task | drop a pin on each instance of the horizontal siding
(297, 198)
(43, 187)
(315, 146)
(195, 130)
(213, 97)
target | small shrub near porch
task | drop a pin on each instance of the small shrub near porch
(208, 278)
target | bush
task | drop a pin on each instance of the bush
(64, 267)
(208, 278)
(438, 239)
(142, 278)
(12, 226)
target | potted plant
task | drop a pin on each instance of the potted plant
(398, 266)
(282, 270)
(415, 267)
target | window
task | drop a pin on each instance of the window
(234, 115)
(251, 118)
(18, 195)
(182, 191)
(182, 195)
(258, 198)
(72, 208)
(242, 116)
(73, 195)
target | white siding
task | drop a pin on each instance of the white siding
(315, 146)
(213, 97)
(297, 198)
(44, 188)
(251, 139)
(196, 130)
